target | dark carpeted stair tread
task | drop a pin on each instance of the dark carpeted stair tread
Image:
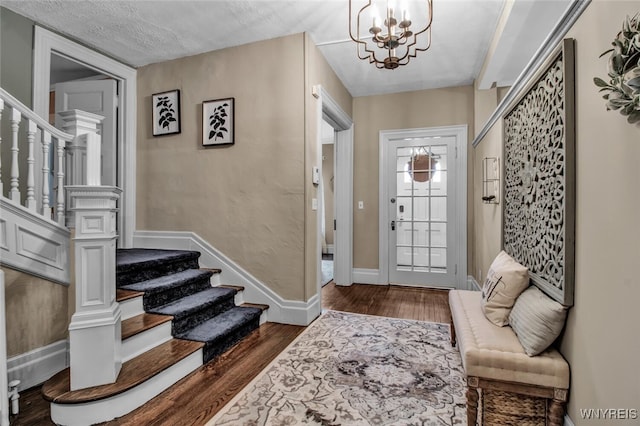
(194, 302)
(128, 259)
(223, 331)
(137, 265)
(167, 282)
(221, 325)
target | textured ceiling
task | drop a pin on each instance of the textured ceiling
(144, 32)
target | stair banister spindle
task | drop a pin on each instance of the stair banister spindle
(46, 144)
(14, 192)
(32, 129)
(60, 191)
(1, 109)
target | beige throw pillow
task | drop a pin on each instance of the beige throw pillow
(537, 320)
(506, 279)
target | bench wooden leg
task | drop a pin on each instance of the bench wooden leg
(452, 333)
(472, 406)
(556, 412)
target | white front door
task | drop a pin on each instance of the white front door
(98, 97)
(423, 228)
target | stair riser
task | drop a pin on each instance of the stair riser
(193, 319)
(131, 307)
(154, 299)
(217, 347)
(146, 340)
(136, 276)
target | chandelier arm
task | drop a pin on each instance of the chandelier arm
(357, 40)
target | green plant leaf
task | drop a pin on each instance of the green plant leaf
(600, 82)
(634, 117)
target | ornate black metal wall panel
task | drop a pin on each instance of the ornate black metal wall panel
(539, 177)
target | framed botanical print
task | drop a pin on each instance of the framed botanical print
(218, 122)
(166, 113)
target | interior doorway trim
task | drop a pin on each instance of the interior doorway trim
(460, 132)
(46, 43)
(333, 114)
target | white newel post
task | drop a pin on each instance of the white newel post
(81, 167)
(94, 331)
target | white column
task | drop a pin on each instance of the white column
(32, 128)
(94, 331)
(1, 109)
(83, 153)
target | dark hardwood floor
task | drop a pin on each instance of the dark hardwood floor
(197, 397)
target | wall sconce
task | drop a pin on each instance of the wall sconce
(491, 180)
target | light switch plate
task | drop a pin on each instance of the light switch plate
(314, 204)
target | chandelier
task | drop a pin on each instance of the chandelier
(393, 42)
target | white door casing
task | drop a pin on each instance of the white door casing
(333, 114)
(422, 233)
(99, 97)
(47, 43)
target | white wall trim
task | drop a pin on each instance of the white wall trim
(33, 244)
(46, 43)
(472, 284)
(460, 132)
(333, 114)
(568, 421)
(37, 366)
(329, 249)
(280, 310)
(367, 276)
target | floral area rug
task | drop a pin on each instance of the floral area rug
(352, 369)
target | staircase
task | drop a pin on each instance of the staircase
(175, 318)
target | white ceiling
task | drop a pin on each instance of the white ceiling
(145, 32)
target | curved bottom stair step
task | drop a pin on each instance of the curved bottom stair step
(140, 379)
(223, 331)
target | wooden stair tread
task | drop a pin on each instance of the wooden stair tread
(133, 372)
(122, 294)
(233, 287)
(214, 270)
(142, 322)
(255, 305)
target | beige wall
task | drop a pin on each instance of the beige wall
(317, 72)
(247, 199)
(601, 337)
(36, 312)
(485, 239)
(371, 114)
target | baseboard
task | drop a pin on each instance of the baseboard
(255, 291)
(329, 249)
(568, 421)
(37, 366)
(367, 276)
(472, 284)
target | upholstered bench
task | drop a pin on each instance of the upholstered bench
(496, 363)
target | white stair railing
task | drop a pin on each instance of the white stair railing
(39, 135)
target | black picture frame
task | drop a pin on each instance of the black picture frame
(165, 116)
(218, 122)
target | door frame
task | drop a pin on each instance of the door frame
(460, 133)
(333, 114)
(46, 43)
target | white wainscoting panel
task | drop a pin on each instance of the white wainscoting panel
(33, 244)
(255, 291)
(472, 284)
(36, 366)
